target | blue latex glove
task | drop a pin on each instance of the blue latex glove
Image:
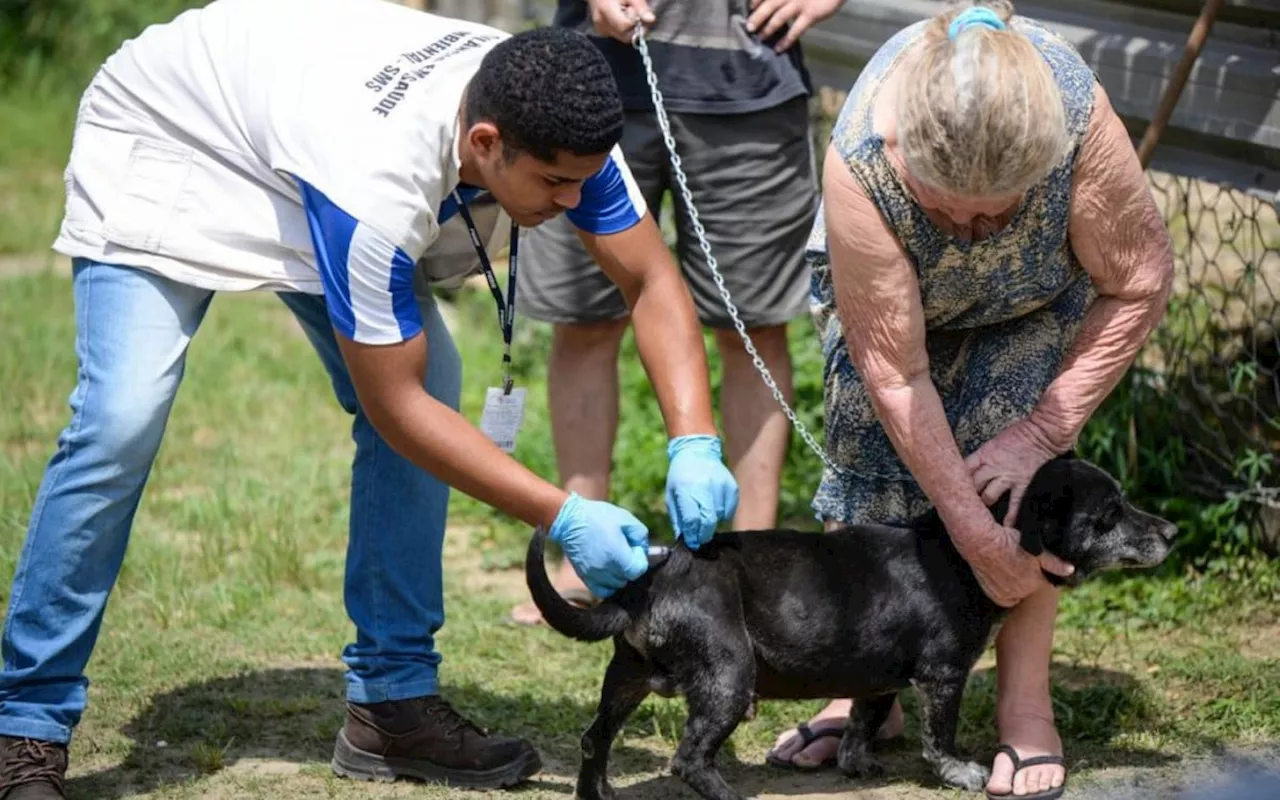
(701, 490)
(607, 546)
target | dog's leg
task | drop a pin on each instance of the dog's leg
(854, 757)
(717, 699)
(626, 685)
(940, 711)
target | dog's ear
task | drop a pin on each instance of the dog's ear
(1032, 541)
(1045, 508)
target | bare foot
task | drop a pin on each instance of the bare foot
(567, 583)
(1030, 734)
(790, 748)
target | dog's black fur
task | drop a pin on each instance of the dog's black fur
(862, 612)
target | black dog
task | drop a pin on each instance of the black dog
(863, 612)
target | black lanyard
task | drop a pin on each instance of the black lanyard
(507, 308)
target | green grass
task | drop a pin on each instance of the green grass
(34, 141)
(217, 674)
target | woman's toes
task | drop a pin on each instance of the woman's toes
(1043, 778)
(818, 753)
(1001, 781)
(786, 745)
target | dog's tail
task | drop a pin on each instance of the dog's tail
(584, 624)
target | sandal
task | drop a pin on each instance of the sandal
(576, 596)
(808, 736)
(1020, 764)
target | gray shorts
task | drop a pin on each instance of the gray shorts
(752, 180)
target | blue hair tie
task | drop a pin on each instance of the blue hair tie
(977, 15)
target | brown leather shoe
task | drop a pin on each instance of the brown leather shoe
(31, 769)
(426, 739)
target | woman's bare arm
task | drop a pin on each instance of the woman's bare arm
(1121, 240)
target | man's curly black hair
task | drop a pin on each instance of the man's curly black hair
(547, 90)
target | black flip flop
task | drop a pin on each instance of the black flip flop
(1020, 764)
(808, 736)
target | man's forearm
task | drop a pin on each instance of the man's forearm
(913, 418)
(1113, 331)
(441, 441)
(669, 339)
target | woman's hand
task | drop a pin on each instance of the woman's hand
(1006, 572)
(1008, 462)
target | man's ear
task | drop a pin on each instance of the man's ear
(485, 139)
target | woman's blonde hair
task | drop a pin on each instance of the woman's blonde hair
(979, 112)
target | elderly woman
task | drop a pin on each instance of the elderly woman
(986, 265)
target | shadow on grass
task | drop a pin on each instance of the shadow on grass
(1092, 706)
(292, 716)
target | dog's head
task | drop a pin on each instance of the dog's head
(1078, 512)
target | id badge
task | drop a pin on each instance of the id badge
(502, 417)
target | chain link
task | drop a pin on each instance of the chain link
(638, 40)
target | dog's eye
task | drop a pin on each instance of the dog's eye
(1109, 518)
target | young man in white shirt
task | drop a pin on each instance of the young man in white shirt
(325, 150)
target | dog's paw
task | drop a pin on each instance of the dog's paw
(968, 775)
(864, 766)
(593, 790)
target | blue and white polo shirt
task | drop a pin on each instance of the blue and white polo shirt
(292, 145)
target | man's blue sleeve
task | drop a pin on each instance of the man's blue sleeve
(611, 201)
(368, 280)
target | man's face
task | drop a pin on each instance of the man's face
(534, 191)
(530, 190)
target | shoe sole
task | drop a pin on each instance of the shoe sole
(350, 762)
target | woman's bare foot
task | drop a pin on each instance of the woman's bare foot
(1030, 734)
(790, 748)
(567, 583)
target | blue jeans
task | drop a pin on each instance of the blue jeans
(132, 333)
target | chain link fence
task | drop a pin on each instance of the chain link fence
(1213, 365)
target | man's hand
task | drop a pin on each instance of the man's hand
(768, 17)
(607, 546)
(617, 18)
(1008, 462)
(700, 489)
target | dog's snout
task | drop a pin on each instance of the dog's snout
(1167, 530)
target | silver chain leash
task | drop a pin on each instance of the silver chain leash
(637, 39)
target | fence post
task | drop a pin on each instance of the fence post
(1195, 42)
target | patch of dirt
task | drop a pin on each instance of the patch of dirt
(1261, 641)
(13, 266)
(264, 766)
(464, 562)
(1237, 774)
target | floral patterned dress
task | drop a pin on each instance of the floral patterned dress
(1000, 312)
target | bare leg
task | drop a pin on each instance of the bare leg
(1024, 712)
(756, 429)
(582, 391)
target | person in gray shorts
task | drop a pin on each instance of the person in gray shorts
(736, 90)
